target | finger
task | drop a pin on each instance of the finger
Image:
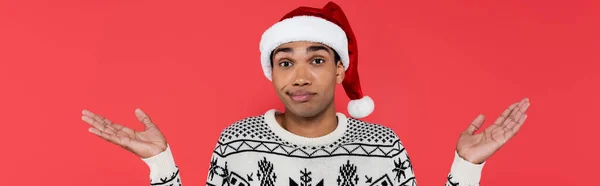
(475, 124)
(94, 123)
(505, 114)
(516, 113)
(110, 138)
(525, 105)
(101, 119)
(520, 115)
(120, 133)
(516, 128)
(95, 116)
(130, 132)
(109, 130)
(88, 113)
(124, 130)
(118, 127)
(511, 116)
(511, 123)
(106, 123)
(144, 118)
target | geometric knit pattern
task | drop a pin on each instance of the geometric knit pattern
(238, 146)
(255, 128)
(172, 180)
(360, 139)
(249, 153)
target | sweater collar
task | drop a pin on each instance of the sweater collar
(306, 141)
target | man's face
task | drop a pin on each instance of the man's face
(304, 76)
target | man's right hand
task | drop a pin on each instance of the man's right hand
(145, 144)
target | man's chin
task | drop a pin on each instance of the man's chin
(304, 111)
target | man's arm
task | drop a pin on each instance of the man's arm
(472, 149)
(149, 144)
(163, 170)
(218, 172)
(462, 172)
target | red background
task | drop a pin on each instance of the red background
(431, 67)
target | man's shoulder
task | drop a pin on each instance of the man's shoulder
(372, 132)
(248, 128)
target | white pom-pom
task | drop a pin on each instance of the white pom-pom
(361, 108)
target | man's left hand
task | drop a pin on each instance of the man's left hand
(477, 148)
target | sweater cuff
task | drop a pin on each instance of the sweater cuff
(162, 164)
(465, 172)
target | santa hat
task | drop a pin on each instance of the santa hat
(330, 27)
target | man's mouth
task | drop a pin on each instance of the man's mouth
(300, 95)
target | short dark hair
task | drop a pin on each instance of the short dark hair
(336, 56)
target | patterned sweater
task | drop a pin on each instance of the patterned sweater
(257, 151)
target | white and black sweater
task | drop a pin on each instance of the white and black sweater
(257, 151)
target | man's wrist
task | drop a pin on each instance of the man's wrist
(465, 172)
(162, 164)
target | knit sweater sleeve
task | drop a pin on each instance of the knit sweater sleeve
(462, 172)
(163, 170)
(219, 173)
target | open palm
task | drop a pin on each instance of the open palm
(145, 144)
(477, 148)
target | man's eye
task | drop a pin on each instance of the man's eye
(285, 64)
(318, 61)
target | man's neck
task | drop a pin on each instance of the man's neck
(316, 126)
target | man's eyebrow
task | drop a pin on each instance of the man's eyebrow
(316, 48)
(285, 49)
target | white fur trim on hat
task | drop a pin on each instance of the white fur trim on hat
(361, 108)
(303, 28)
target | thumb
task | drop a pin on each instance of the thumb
(475, 124)
(144, 118)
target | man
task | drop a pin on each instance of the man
(305, 55)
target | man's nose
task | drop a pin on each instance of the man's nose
(303, 77)
(301, 82)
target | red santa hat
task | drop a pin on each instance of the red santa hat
(330, 27)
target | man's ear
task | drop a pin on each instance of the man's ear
(340, 73)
